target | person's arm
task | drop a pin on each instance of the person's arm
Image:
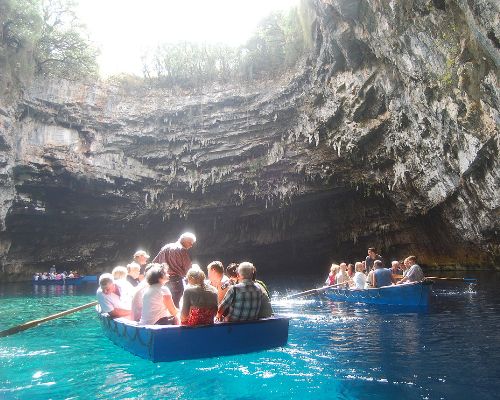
(374, 280)
(186, 306)
(160, 257)
(119, 312)
(221, 293)
(169, 303)
(226, 301)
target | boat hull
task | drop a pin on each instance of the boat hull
(90, 278)
(67, 281)
(411, 294)
(170, 343)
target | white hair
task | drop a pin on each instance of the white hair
(133, 266)
(246, 270)
(119, 272)
(105, 279)
(188, 235)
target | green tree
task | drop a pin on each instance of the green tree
(62, 48)
(278, 43)
(44, 37)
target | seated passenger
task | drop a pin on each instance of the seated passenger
(331, 280)
(126, 289)
(359, 279)
(108, 296)
(139, 294)
(157, 305)
(133, 272)
(199, 304)
(232, 273)
(141, 258)
(242, 301)
(396, 268)
(351, 270)
(381, 276)
(217, 279)
(342, 276)
(414, 273)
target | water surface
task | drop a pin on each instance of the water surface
(335, 350)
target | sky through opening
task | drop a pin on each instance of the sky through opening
(125, 29)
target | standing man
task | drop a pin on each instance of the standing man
(372, 256)
(176, 256)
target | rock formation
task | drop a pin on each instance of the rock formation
(386, 135)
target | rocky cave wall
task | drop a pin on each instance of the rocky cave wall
(385, 135)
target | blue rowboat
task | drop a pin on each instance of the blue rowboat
(410, 294)
(67, 281)
(90, 278)
(171, 343)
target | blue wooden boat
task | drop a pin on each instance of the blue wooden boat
(171, 343)
(90, 278)
(410, 294)
(67, 281)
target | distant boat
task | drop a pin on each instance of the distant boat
(409, 294)
(172, 343)
(90, 278)
(67, 281)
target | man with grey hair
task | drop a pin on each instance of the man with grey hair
(108, 296)
(141, 258)
(414, 273)
(176, 256)
(242, 301)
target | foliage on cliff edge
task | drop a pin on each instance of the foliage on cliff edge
(44, 37)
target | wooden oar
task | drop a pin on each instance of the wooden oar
(470, 280)
(36, 322)
(444, 278)
(311, 291)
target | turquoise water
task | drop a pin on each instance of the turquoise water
(335, 351)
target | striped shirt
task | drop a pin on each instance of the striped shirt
(242, 301)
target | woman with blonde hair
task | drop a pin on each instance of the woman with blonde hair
(199, 304)
(331, 280)
(342, 276)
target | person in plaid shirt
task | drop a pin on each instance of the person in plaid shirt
(242, 301)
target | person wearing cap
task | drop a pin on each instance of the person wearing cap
(176, 256)
(141, 258)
